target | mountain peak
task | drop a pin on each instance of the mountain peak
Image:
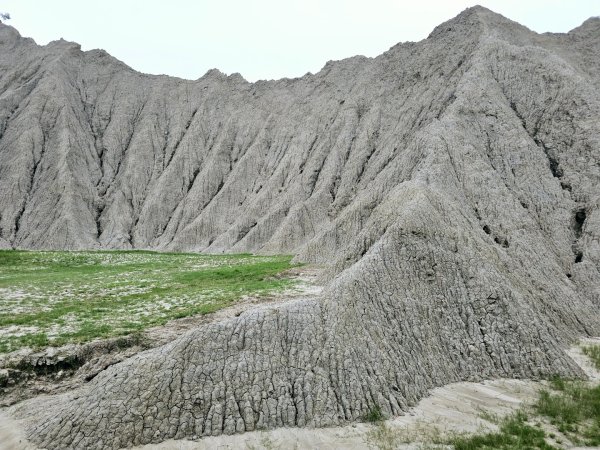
(481, 18)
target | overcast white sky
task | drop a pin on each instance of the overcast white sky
(261, 39)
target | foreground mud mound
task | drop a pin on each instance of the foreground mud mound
(450, 186)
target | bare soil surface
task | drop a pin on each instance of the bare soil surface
(456, 408)
(451, 409)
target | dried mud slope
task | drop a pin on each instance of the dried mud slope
(451, 187)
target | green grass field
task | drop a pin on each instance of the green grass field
(53, 298)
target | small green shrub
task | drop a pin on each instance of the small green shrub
(374, 415)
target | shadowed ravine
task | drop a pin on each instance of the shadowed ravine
(451, 187)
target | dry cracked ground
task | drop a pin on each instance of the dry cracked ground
(449, 189)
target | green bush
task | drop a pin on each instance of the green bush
(374, 414)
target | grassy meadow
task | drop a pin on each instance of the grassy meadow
(52, 298)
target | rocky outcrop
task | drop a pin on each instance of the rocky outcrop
(450, 186)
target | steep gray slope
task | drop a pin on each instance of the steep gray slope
(451, 187)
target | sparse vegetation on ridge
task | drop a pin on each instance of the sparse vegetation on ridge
(53, 298)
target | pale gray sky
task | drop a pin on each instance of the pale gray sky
(261, 39)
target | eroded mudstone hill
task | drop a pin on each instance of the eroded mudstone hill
(451, 187)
